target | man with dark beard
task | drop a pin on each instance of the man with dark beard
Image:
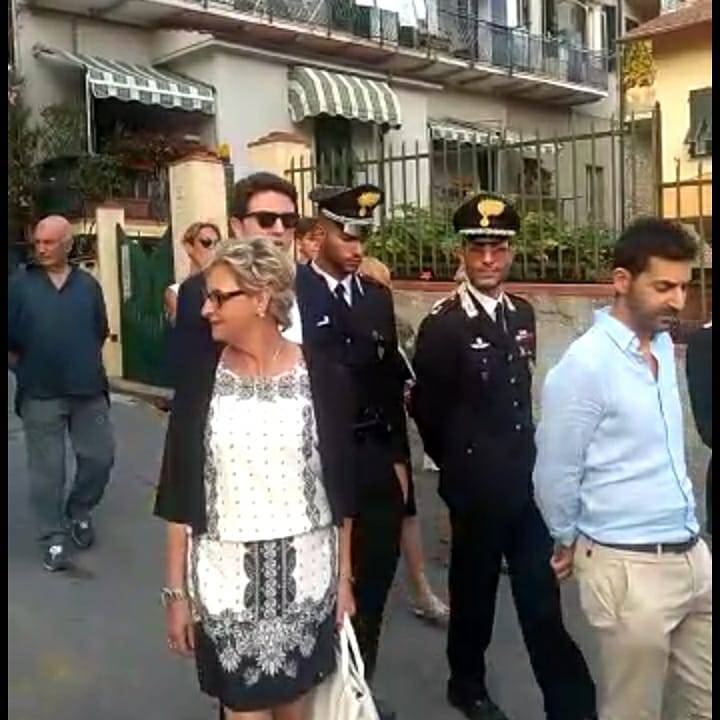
(612, 484)
(350, 320)
(473, 407)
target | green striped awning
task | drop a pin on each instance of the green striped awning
(464, 134)
(314, 92)
(461, 134)
(137, 83)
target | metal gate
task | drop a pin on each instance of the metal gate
(146, 270)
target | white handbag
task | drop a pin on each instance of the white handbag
(344, 695)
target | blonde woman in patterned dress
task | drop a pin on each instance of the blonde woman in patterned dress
(258, 499)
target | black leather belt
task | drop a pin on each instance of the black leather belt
(655, 548)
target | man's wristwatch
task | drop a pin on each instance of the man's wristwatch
(171, 595)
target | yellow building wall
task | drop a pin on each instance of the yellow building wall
(683, 62)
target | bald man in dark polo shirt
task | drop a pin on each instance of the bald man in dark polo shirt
(57, 326)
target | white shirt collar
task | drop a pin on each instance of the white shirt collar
(488, 303)
(346, 282)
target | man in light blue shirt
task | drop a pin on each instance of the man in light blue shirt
(611, 482)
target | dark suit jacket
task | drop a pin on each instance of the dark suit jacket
(190, 340)
(364, 341)
(699, 376)
(181, 492)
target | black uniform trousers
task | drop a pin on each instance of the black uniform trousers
(375, 552)
(479, 540)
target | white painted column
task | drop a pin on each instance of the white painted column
(536, 17)
(595, 31)
(108, 217)
(511, 13)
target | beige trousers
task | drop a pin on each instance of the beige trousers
(652, 614)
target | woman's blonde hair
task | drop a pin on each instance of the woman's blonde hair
(194, 230)
(376, 269)
(258, 265)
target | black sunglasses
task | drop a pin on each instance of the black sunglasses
(207, 243)
(267, 219)
(218, 298)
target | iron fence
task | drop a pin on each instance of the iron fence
(574, 193)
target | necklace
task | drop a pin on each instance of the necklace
(268, 368)
(276, 354)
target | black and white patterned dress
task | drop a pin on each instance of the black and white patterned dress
(263, 577)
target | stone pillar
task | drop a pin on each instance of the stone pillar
(197, 193)
(277, 152)
(107, 218)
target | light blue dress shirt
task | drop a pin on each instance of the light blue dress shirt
(611, 454)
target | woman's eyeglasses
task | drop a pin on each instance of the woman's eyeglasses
(219, 297)
(266, 219)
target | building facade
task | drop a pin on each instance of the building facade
(336, 77)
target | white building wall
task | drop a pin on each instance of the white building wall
(251, 98)
(47, 83)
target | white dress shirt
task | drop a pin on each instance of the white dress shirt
(346, 282)
(489, 303)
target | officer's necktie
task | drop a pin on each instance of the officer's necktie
(500, 317)
(340, 294)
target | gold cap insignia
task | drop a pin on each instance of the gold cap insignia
(489, 208)
(366, 202)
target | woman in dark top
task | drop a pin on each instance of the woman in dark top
(258, 498)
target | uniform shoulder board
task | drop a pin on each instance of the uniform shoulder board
(442, 306)
(520, 302)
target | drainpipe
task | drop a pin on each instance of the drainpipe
(89, 134)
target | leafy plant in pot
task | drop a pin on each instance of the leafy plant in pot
(23, 141)
(99, 178)
(150, 153)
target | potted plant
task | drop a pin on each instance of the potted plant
(23, 140)
(99, 178)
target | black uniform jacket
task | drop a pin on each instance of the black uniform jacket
(472, 402)
(364, 341)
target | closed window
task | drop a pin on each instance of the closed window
(333, 150)
(699, 136)
(609, 43)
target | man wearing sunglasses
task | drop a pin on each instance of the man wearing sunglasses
(352, 321)
(264, 205)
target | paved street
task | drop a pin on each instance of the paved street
(90, 644)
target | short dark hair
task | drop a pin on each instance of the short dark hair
(257, 183)
(304, 226)
(650, 237)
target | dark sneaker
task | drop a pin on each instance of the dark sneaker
(383, 710)
(82, 533)
(479, 709)
(56, 557)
